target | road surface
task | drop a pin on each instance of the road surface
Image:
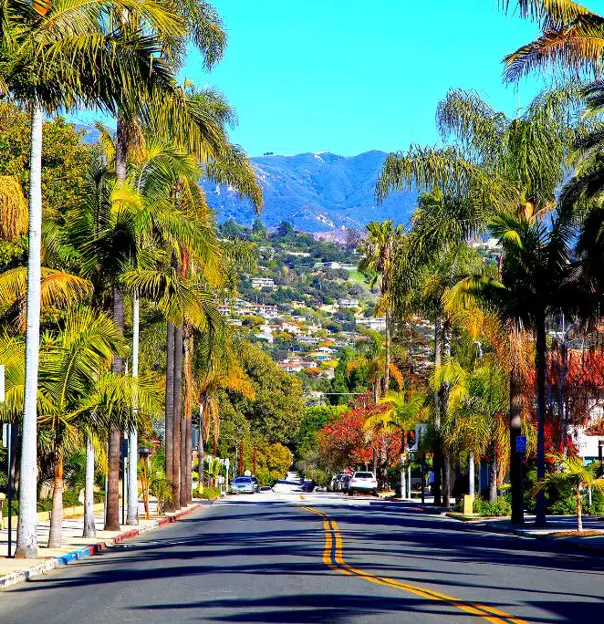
(323, 559)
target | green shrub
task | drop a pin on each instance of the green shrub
(208, 493)
(597, 505)
(564, 506)
(501, 507)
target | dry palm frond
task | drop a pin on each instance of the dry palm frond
(57, 290)
(13, 209)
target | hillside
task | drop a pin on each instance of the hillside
(315, 192)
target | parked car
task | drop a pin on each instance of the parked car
(308, 486)
(338, 481)
(256, 482)
(243, 485)
(344, 483)
(362, 482)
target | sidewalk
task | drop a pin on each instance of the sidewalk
(74, 546)
(552, 532)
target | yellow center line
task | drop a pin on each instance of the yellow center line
(333, 557)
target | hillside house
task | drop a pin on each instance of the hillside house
(263, 282)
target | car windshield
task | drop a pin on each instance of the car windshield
(242, 480)
(363, 475)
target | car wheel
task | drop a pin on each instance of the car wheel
(350, 492)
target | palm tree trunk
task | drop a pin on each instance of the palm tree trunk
(27, 540)
(444, 408)
(187, 443)
(132, 513)
(178, 361)
(388, 357)
(200, 450)
(189, 451)
(446, 490)
(56, 514)
(579, 511)
(183, 460)
(89, 525)
(516, 459)
(112, 519)
(540, 356)
(493, 475)
(437, 461)
(121, 151)
(169, 414)
(471, 475)
(240, 467)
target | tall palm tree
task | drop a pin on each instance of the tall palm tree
(379, 249)
(536, 281)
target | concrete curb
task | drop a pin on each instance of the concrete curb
(45, 566)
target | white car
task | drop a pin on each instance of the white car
(363, 482)
(243, 485)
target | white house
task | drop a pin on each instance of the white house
(374, 324)
(263, 282)
(348, 303)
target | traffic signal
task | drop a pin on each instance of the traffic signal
(411, 440)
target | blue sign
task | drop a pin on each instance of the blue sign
(521, 444)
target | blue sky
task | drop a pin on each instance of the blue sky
(348, 76)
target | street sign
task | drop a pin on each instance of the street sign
(520, 444)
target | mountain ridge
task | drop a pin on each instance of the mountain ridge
(316, 192)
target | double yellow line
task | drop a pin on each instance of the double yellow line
(334, 558)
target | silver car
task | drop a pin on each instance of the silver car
(243, 485)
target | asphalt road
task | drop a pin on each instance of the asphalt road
(254, 559)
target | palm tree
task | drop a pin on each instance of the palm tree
(372, 357)
(403, 411)
(575, 475)
(379, 249)
(571, 40)
(471, 425)
(536, 281)
(68, 367)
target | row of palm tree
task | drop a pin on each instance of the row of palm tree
(534, 183)
(142, 232)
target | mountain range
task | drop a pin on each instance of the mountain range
(315, 192)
